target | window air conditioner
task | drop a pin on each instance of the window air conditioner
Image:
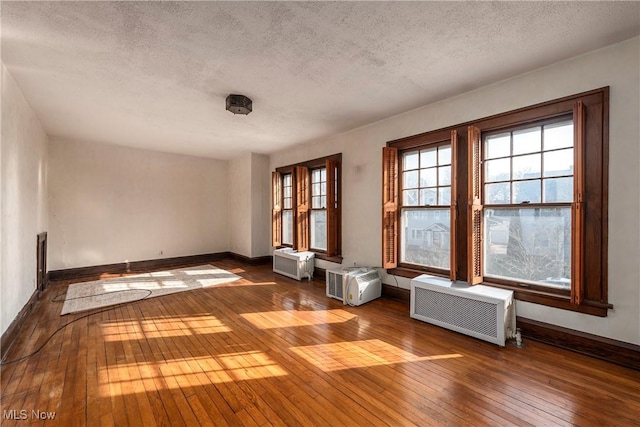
(354, 286)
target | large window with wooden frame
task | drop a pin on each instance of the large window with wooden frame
(528, 193)
(306, 207)
(425, 220)
(526, 215)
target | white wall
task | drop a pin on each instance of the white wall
(260, 205)
(240, 205)
(112, 204)
(617, 66)
(249, 200)
(23, 201)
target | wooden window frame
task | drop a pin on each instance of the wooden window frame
(450, 139)
(590, 111)
(301, 182)
(313, 209)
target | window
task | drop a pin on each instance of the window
(319, 209)
(528, 194)
(508, 205)
(287, 209)
(306, 207)
(425, 219)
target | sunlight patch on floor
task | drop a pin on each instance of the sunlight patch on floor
(182, 374)
(359, 354)
(292, 318)
(163, 328)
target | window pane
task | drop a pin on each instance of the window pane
(557, 163)
(315, 175)
(425, 237)
(444, 196)
(529, 245)
(287, 203)
(319, 230)
(444, 155)
(410, 179)
(428, 158)
(287, 227)
(323, 188)
(428, 197)
(497, 170)
(410, 197)
(497, 193)
(497, 146)
(558, 190)
(410, 161)
(444, 175)
(323, 174)
(428, 177)
(315, 189)
(558, 135)
(526, 191)
(526, 166)
(526, 141)
(287, 192)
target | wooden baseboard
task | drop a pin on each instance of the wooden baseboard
(396, 293)
(11, 333)
(135, 266)
(618, 352)
(261, 260)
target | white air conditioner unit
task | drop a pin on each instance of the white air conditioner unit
(294, 264)
(354, 286)
(479, 311)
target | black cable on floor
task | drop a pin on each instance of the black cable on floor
(54, 299)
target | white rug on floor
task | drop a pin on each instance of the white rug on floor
(118, 290)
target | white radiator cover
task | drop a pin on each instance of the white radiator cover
(291, 263)
(479, 311)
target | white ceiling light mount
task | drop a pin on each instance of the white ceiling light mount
(239, 104)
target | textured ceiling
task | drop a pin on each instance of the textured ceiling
(155, 75)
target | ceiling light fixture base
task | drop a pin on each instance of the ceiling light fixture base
(239, 104)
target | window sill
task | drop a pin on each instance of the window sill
(410, 272)
(337, 259)
(593, 308)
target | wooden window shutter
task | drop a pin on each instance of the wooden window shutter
(333, 207)
(302, 208)
(276, 210)
(474, 239)
(389, 207)
(577, 211)
(453, 273)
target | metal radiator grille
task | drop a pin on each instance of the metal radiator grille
(285, 266)
(335, 285)
(473, 315)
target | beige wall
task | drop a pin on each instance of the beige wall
(616, 66)
(240, 205)
(249, 202)
(111, 204)
(23, 201)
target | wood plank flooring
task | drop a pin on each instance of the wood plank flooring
(270, 351)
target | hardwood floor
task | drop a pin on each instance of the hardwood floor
(268, 350)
